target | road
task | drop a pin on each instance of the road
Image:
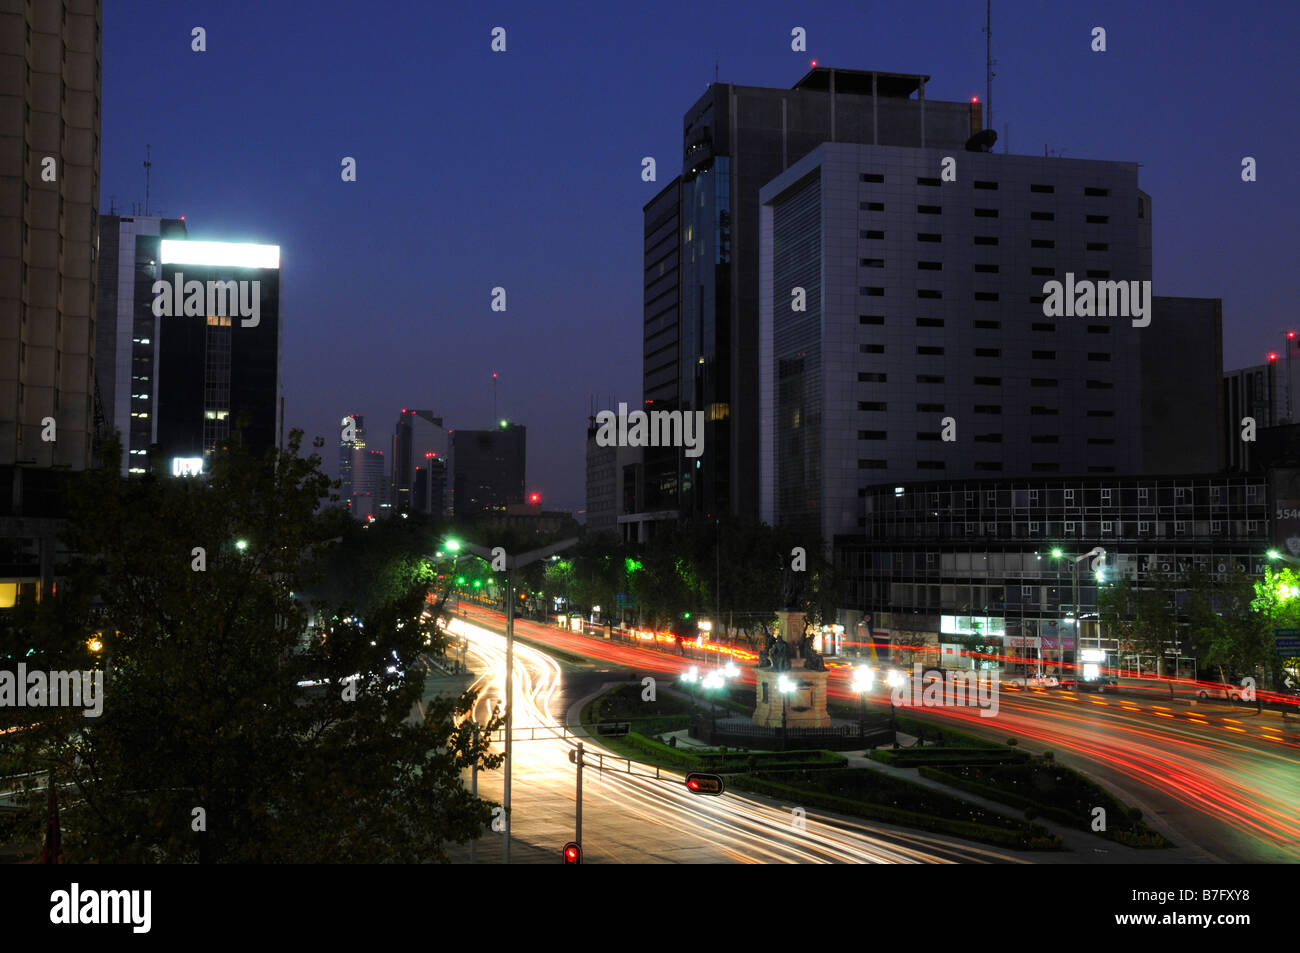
(638, 819)
(1213, 777)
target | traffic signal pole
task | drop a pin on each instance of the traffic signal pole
(510, 700)
(577, 837)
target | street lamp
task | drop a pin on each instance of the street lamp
(863, 679)
(513, 563)
(241, 544)
(895, 679)
(713, 680)
(784, 686)
(1100, 553)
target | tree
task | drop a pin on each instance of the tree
(1142, 618)
(208, 749)
(1229, 624)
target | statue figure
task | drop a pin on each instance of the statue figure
(812, 660)
(791, 587)
(780, 654)
(765, 656)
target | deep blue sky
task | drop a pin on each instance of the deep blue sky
(522, 169)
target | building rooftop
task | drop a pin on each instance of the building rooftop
(858, 82)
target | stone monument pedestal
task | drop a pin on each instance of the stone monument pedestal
(805, 703)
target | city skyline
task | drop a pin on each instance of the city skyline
(436, 222)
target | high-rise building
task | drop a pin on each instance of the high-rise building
(418, 435)
(352, 456)
(49, 163)
(49, 176)
(905, 337)
(736, 139)
(127, 330)
(1267, 395)
(488, 468)
(219, 353)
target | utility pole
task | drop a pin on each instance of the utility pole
(473, 789)
(576, 758)
(513, 563)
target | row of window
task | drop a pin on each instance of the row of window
(880, 377)
(1056, 529)
(985, 213)
(1090, 191)
(879, 319)
(934, 350)
(985, 437)
(990, 466)
(1037, 411)
(875, 234)
(1038, 271)
(875, 291)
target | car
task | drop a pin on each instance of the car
(1103, 683)
(1033, 681)
(1220, 692)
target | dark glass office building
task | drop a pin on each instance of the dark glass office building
(487, 468)
(219, 368)
(705, 258)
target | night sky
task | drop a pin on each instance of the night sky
(522, 169)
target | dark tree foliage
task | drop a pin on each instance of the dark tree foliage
(208, 748)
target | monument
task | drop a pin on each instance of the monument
(791, 677)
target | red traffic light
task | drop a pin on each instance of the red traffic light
(572, 853)
(704, 784)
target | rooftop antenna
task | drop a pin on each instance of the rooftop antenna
(147, 166)
(494, 396)
(988, 67)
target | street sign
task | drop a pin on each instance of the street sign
(704, 783)
(1287, 642)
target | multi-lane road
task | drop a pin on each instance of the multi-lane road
(1222, 781)
(636, 818)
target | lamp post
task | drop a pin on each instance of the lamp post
(1100, 553)
(784, 686)
(863, 678)
(895, 678)
(513, 563)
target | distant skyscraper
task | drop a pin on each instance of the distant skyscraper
(488, 468)
(351, 454)
(219, 374)
(127, 331)
(418, 433)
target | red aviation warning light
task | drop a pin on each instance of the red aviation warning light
(1272, 356)
(572, 853)
(704, 784)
